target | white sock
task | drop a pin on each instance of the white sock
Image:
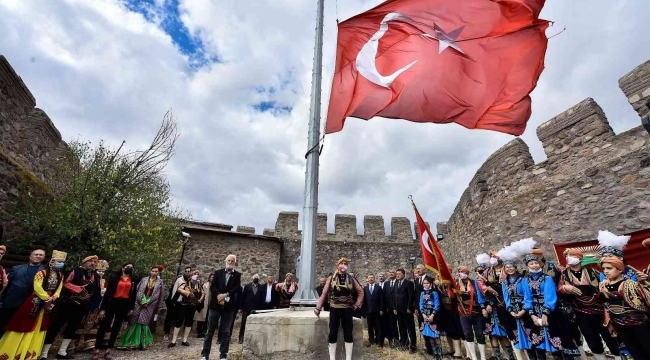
(617, 357)
(518, 353)
(46, 349)
(583, 355)
(187, 333)
(481, 350)
(456, 344)
(64, 346)
(176, 330)
(599, 356)
(471, 349)
(348, 351)
(332, 349)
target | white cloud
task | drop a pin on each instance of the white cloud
(105, 72)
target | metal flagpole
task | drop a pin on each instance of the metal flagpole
(306, 294)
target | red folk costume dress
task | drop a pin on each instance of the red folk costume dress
(25, 333)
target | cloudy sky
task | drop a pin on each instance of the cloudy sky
(237, 74)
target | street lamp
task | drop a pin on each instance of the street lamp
(440, 237)
(412, 261)
(185, 237)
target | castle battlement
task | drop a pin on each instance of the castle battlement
(588, 167)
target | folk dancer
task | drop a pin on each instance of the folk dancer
(373, 309)
(548, 333)
(19, 287)
(87, 331)
(429, 306)
(612, 245)
(449, 309)
(222, 307)
(201, 313)
(117, 305)
(581, 285)
(420, 276)
(514, 287)
(286, 290)
(627, 306)
(495, 309)
(25, 332)
(79, 287)
(190, 296)
(470, 306)
(148, 295)
(339, 291)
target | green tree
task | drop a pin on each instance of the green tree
(109, 202)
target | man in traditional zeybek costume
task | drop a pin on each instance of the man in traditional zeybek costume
(470, 306)
(26, 330)
(79, 287)
(627, 306)
(339, 292)
(88, 329)
(612, 245)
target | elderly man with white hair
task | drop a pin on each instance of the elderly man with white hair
(226, 283)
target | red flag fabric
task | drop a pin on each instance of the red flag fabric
(472, 62)
(434, 260)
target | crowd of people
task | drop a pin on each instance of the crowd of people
(517, 303)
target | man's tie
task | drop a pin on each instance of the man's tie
(371, 287)
(392, 284)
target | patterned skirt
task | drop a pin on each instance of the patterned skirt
(557, 336)
(137, 336)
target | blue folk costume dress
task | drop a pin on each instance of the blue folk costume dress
(499, 318)
(513, 294)
(540, 299)
(430, 304)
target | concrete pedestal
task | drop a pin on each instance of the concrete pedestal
(295, 334)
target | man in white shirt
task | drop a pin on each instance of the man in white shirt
(270, 294)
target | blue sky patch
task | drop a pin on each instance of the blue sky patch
(272, 106)
(169, 17)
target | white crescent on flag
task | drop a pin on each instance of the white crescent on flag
(425, 241)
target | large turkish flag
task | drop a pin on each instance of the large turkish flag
(472, 62)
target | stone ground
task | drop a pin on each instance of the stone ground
(159, 351)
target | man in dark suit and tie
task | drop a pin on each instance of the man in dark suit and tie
(389, 302)
(251, 299)
(226, 283)
(270, 296)
(420, 276)
(403, 297)
(383, 319)
(373, 302)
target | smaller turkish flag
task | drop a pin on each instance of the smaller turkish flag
(434, 260)
(472, 62)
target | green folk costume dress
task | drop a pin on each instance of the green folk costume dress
(138, 335)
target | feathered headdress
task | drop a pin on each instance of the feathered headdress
(512, 252)
(482, 260)
(612, 243)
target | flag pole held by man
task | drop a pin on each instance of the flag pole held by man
(471, 62)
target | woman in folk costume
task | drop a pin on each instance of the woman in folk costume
(88, 328)
(627, 308)
(287, 289)
(470, 304)
(25, 333)
(548, 332)
(513, 286)
(453, 330)
(148, 295)
(495, 309)
(339, 291)
(429, 306)
(200, 315)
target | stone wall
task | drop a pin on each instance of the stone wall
(592, 180)
(28, 141)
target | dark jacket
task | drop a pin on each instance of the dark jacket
(112, 287)
(251, 301)
(404, 296)
(19, 288)
(219, 286)
(373, 303)
(417, 290)
(275, 296)
(389, 297)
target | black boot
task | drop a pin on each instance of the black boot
(436, 350)
(510, 353)
(532, 354)
(557, 355)
(541, 354)
(496, 353)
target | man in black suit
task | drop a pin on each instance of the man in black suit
(251, 299)
(383, 319)
(269, 294)
(226, 283)
(403, 298)
(389, 302)
(421, 275)
(373, 301)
